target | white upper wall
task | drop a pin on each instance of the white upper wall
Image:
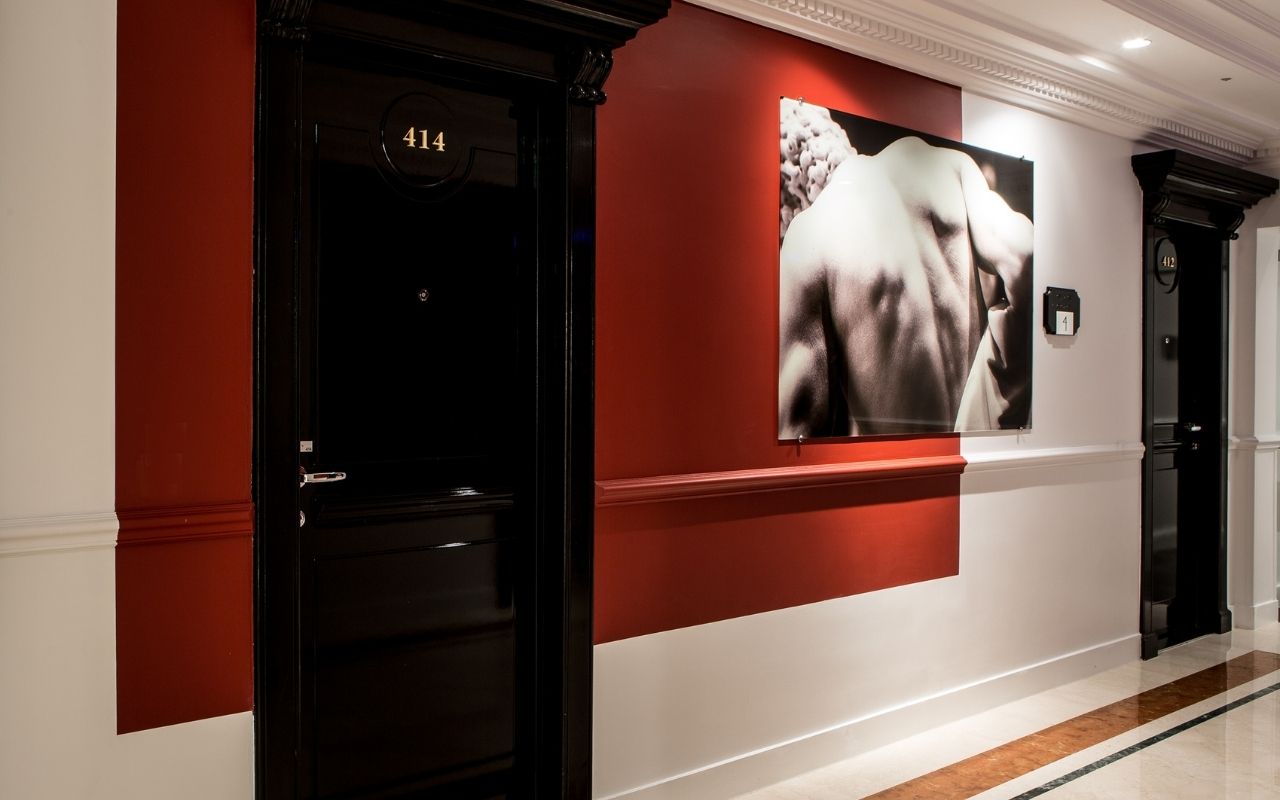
(57, 257)
(1086, 389)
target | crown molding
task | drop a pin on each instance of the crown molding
(1243, 11)
(990, 70)
(1267, 159)
(1199, 31)
(1144, 84)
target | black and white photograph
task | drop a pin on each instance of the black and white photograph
(905, 280)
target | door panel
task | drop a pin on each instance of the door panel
(424, 267)
(415, 586)
(1164, 538)
(1184, 361)
(1165, 448)
(415, 313)
(426, 691)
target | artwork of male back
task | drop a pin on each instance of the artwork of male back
(905, 292)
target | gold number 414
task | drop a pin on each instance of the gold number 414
(419, 139)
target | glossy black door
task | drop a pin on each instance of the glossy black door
(415, 576)
(1185, 283)
(1191, 208)
(424, 182)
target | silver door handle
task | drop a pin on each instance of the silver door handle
(320, 477)
(1191, 427)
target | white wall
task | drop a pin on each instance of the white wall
(57, 421)
(57, 228)
(1252, 465)
(1048, 588)
(1088, 215)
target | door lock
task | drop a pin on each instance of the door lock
(305, 477)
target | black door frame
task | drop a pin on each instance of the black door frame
(563, 50)
(1181, 189)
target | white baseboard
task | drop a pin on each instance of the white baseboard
(783, 760)
(1255, 616)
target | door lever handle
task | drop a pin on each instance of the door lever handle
(1191, 427)
(320, 477)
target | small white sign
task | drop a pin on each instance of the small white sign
(1066, 324)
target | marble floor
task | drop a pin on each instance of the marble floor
(1202, 720)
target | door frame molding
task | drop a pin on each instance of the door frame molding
(564, 49)
(1182, 188)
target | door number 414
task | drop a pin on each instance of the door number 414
(419, 139)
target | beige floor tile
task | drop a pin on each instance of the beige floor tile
(1236, 755)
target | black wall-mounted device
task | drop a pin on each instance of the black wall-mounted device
(1061, 311)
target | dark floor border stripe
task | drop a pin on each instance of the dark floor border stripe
(1145, 743)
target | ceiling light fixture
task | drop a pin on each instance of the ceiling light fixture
(1136, 43)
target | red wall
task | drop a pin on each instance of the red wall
(686, 360)
(184, 269)
(687, 320)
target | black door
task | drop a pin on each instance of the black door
(1191, 207)
(423, 429)
(1185, 463)
(416, 426)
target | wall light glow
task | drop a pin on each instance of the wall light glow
(1136, 43)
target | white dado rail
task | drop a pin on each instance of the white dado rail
(1054, 456)
(698, 485)
(23, 536)
(1260, 443)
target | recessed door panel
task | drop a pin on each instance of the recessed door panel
(415, 675)
(415, 316)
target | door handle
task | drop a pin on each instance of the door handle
(305, 477)
(1191, 427)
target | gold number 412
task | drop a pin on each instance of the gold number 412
(419, 139)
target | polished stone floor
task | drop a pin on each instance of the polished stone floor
(1200, 721)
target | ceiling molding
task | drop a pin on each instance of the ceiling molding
(1243, 11)
(1268, 158)
(1202, 32)
(993, 71)
(1009, 29)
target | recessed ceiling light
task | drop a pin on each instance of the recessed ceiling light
(1136, 43)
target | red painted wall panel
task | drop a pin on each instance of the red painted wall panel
(184, 630)
(184, 189)
(670, 565)
(687, 273)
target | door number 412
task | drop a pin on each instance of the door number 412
(419, 139)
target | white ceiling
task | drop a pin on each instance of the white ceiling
(1063, 57)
